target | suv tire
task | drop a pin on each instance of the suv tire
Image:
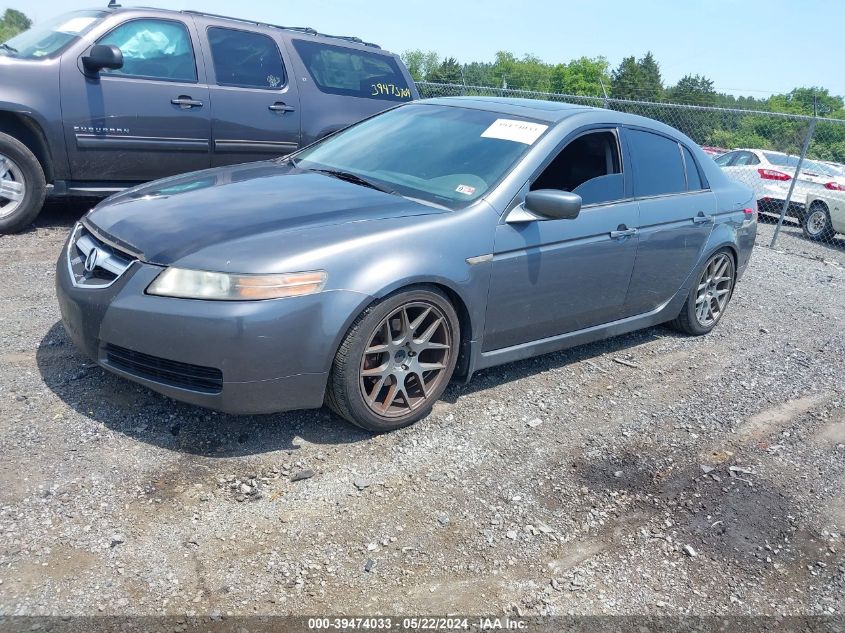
(19, 171)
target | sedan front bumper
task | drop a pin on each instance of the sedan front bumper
(242, 357)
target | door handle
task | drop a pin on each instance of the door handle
(279, 106)
(185, 102)
(622, 231)
(702, 219)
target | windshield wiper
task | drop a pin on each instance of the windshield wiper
(354, 178)
(11, 49)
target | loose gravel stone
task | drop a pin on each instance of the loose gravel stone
(212, 521)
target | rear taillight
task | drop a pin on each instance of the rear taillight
(771, 174)
(748, 211)
(834, 186)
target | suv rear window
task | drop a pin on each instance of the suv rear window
(246, 59)
(350, 72)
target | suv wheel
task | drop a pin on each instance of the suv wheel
(816, 222)
(395, 361)
(22, 185)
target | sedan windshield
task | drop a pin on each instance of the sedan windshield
(442, 154)
(50, 37)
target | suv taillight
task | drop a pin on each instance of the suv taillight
(771, 174)
(834, 186)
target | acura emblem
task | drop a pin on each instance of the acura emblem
(91, 260)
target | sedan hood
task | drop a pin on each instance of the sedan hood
(168, 220)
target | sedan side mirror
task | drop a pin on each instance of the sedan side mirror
(103, 56)
(553, 204)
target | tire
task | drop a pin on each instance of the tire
(816, 222)
(20, 171)
(713, 283)
(382, 378)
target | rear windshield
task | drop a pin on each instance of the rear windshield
(351, 72)
(50, 37)
(787, 160)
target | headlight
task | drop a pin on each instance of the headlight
(198, 284)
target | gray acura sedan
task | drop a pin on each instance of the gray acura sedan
(425, 243)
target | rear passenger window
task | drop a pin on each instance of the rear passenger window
(351, 72)
(693, 177)
(724, 159)
(153, 49)
(656, 164)
(246, 59)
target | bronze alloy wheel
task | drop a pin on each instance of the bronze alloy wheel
(406, 359)
(714, 289)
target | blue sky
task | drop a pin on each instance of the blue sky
(753, 47)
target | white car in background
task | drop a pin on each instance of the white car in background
(769, 173)
(824, 216)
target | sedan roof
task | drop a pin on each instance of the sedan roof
(554, 112)
(551, 111)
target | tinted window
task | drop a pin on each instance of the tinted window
(781, 160)
(345, 71)
(154, 49)
(657, 164)
(693, 177)
(588, 166)
(724, 159)
(242, 58)
(745, 158)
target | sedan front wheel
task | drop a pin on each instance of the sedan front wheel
(396, 360)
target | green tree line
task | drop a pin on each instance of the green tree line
(640, 79)
(636, 79)
(12, 23)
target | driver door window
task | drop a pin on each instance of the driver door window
(588, 166)
(154, 49)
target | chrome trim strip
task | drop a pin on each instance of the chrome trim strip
(98, 141)
(479, 259)
(123, 248)
(253, 146)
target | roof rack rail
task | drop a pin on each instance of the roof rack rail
(298, 29)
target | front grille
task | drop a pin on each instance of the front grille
(169, 372)
(92, 263)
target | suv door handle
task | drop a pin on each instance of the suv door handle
(702, 219)
(622, 231)
(280, 106)
(185, 102)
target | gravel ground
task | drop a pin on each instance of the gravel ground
(707, 478)
(791, 240)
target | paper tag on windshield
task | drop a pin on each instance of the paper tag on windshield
(465, 189)
(75, 25)
(513, 130)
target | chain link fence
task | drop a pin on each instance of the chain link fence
(793, 163)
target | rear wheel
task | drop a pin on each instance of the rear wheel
(709, 297)
(22, 185)
(395, 361)
(816, 222)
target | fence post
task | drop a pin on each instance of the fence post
(810, 131)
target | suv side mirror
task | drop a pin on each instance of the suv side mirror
(553, 204)
(103, 56)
